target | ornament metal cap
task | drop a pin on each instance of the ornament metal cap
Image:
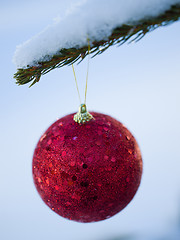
(82, 116)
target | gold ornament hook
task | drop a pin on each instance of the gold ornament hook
(82, 116)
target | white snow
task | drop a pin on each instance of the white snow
(86, 18)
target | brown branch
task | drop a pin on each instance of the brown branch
(120, 35)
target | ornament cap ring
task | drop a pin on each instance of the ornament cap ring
(82, 116)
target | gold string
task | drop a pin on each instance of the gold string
(76, 83)
(87, 71)
(86, 76)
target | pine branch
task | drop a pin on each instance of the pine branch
(125, 33)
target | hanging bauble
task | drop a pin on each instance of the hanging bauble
(89, 171)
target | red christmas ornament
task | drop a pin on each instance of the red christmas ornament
(87, 172)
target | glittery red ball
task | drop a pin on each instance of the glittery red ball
(87, 172)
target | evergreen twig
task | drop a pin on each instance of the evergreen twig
(120, 35)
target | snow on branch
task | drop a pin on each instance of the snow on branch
(104, 23)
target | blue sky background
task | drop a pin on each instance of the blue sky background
(138, 84)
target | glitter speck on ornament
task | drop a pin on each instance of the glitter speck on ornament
(87, 172)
